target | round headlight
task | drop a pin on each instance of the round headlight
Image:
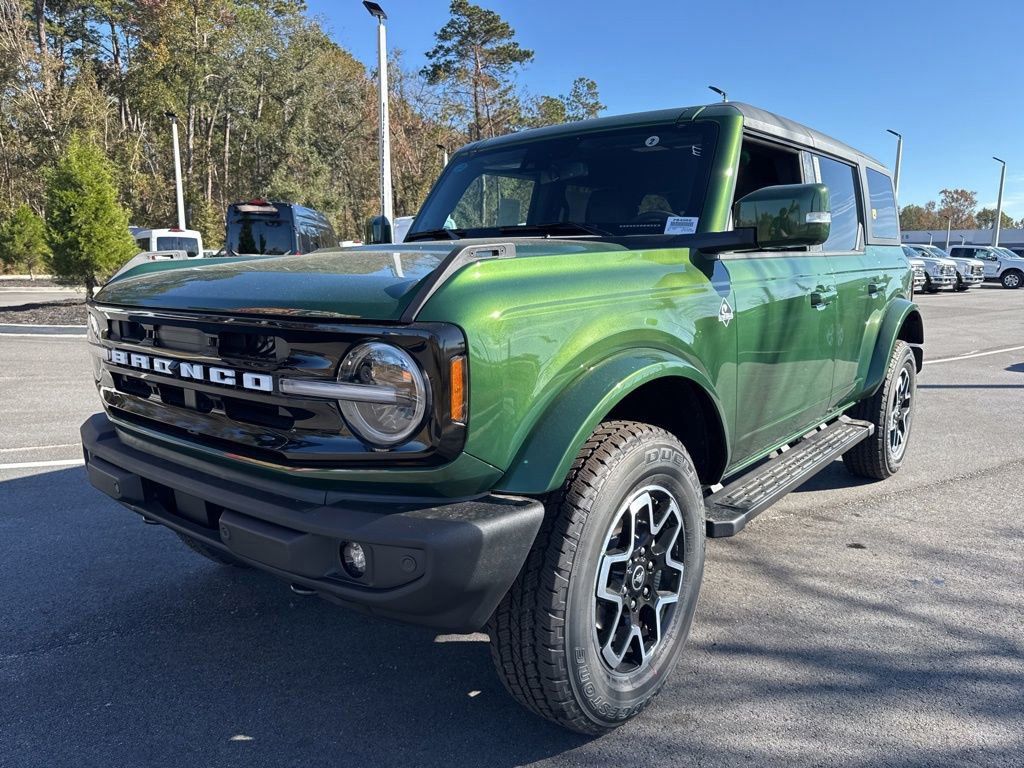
(393, 369)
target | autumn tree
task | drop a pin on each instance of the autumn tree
(476, 58)
(957, 206)
(23, 240)
(920, 217)
(986, 219)
(87, 229)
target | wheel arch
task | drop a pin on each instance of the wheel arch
(902, 322)
(631, 386)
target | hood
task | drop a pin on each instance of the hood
(370, 282)
(375, 282)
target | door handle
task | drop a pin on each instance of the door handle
(822, 296)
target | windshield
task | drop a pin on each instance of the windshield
(188, 244)
(622, 182)
(272, 237)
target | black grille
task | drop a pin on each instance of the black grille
(265, 425)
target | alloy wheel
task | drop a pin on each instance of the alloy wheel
(899, 415)
(639, 579)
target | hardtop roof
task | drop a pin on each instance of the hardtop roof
(754, 118)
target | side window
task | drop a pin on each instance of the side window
(765, 165)
(884, 218)
(841, 180)
(143, 243)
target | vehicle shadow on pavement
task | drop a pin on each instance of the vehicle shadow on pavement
(131, 650)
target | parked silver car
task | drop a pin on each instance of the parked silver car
(939, 272)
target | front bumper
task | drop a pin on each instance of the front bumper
(968, 279)
(444, 566)
(942, 281)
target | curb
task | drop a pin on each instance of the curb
(27, 329)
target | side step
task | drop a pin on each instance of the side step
(727, 511)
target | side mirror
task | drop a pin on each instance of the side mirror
(785, 216)
(378, 230)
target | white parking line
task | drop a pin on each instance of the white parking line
(43, 335)
(36, 464)
(38, 447)
(974, 354)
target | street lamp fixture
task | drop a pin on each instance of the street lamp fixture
(899, 160)
(999, 204)
(375, 10)
(720, 92)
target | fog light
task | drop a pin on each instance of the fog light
(353, 557)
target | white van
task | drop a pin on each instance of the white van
(174, 239)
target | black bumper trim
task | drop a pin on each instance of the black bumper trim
(444, 566)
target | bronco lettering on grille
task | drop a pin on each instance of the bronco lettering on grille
(228, 377)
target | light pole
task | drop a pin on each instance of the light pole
(177, 169)
(949, 229)
(899, 160)
(999, 203)
(384, 145)
(720, 92)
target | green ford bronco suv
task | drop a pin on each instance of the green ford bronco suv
(600, 344)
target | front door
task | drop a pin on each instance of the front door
(785, 318)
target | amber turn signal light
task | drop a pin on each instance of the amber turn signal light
(457, 377)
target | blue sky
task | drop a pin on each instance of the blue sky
(948, 76)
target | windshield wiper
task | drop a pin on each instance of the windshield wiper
(434, 234)
(559, 227)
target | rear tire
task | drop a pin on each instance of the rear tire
(891, 410)
(596, 620)
(1012, 278)
(211, 553)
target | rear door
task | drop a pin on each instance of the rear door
(786, 320)
(857, 270)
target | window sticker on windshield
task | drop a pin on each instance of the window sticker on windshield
(681, 225)
(652, 141)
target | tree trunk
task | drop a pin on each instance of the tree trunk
(40, 13)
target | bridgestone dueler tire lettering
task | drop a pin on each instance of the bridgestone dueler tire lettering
(542, 637)
(872, 457)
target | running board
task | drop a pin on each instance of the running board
(727, 511)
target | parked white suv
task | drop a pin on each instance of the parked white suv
(939, 271)
(1000, 264)
(969, 271)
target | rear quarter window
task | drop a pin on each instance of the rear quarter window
(883, 219)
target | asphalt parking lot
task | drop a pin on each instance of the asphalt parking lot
(855, 624)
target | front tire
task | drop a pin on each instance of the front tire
(960, 285)
(1012, 278)
(594, 624)
(929, 286)
(891, 410)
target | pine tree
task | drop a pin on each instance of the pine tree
(87, 229)
(23, 240)
(476, 57)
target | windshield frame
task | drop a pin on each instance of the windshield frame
(699, 190)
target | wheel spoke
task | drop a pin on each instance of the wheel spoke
(639, 578)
